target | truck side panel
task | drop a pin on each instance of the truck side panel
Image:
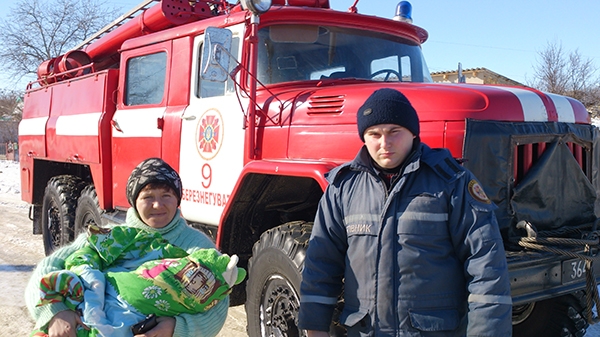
(32, 136)
(68, 122)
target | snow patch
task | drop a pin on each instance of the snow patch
(10, 182)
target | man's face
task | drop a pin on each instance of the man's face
(156, 206)
(388, 144)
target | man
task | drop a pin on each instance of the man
(411, 236)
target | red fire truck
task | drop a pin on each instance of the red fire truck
(253, 103)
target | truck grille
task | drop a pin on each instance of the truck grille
(326, 104)
(527, 155)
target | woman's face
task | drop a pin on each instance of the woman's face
(156, 206)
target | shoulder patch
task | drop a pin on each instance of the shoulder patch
(477, 192)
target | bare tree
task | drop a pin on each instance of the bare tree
(550, 71)
(583, 85)
(571, 75)
(38, 30)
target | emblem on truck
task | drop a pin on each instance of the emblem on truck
(209, 134)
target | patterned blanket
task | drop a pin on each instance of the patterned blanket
(169, 283)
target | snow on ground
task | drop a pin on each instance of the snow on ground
(10, 182)
(10, 187)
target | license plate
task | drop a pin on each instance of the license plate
(573, 270)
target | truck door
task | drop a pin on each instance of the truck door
(212, 140)
(137, 123)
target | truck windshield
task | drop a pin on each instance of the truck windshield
(288, 53)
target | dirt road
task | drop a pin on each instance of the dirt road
(20, 251)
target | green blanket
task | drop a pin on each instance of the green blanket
(170, 282)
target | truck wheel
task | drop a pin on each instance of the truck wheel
(88, 210)
(58, 211)
(274, 276)
(273, 287)
(560, 316)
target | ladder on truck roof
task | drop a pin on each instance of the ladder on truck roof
(116, 23)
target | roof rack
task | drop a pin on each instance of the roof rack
(116, 23)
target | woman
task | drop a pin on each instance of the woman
(154, 192)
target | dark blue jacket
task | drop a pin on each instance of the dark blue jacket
(424, 259)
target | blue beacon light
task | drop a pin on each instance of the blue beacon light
(404, 12)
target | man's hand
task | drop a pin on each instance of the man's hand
(315, 333)
(165, 328)
(64, 324)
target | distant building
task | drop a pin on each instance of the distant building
(473, 75)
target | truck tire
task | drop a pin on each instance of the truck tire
(556, 317)
(273, 287)
(58, 211)
(88, 210)
(274, 277)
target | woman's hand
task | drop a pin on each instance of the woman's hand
(164, 328)
(64, 324)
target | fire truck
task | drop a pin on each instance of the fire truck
(253, 103)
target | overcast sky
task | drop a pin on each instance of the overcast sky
(503, 36)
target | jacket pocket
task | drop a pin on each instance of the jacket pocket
(357, 322)
(434, 319)
(352, 316)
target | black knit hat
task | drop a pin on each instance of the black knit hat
(387, 106)
(152, 170)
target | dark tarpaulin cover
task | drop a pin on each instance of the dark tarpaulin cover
(555, 192)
